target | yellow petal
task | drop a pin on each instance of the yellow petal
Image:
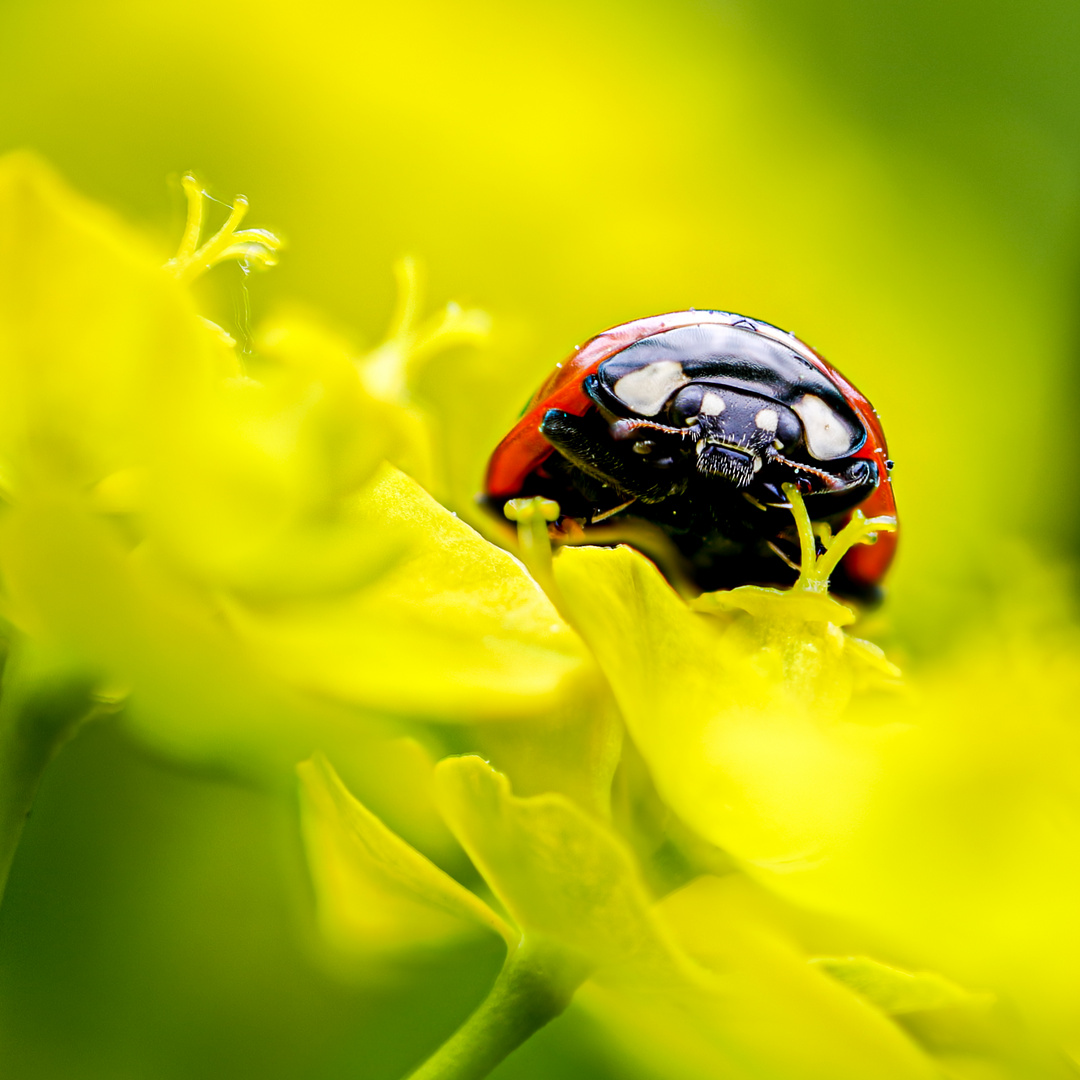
(375, 892)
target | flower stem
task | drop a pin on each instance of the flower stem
(815, 572)
(40, 709)
(534, 986)
(534, 545)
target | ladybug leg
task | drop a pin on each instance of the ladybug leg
(826, 493)
(853, 485)
(594, 452)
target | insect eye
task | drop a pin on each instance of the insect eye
(788, 429)
(685, 407)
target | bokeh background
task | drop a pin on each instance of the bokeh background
(898, 183)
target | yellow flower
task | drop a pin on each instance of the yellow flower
(221, 544)
(728, 830)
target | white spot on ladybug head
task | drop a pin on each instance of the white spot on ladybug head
(767, 419)
(646, 389)
(828, 434)
(712, 404)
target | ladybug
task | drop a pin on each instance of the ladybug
(675, 433)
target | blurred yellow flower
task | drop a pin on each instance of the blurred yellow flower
(216, 536)
(756, 851)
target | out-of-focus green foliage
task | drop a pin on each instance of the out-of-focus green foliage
(246, 548)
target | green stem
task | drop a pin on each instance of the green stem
(807, 545)
(534, 986)
(39, 710)
(18, 786)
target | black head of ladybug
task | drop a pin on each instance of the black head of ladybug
(692, 422)
(729, 402)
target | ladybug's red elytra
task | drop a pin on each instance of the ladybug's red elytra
(683, 427)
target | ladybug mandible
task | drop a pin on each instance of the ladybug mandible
(683, 427)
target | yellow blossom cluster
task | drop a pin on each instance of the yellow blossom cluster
(728, 832)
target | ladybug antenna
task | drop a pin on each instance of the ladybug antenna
(833, 483)
(625, 429)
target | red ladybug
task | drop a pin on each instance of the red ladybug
(681, 428)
